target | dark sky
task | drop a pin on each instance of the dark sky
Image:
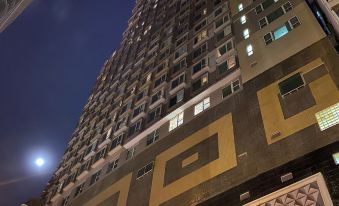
(50, 57)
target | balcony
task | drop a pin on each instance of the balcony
(68, 187)
(115, 151)
(177, 88)
(201, 71)
(82, 175)
(98, 163)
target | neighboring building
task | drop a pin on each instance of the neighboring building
(9, 10)
(210, 102)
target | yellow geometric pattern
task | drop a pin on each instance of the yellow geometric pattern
(122, 186)
(227, 160)
(323, 90)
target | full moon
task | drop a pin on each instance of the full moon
(39, 162)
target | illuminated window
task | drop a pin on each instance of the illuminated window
(249, 50)
(243, 19)
(246, 33)
(280, 32)
(336, 158)
(203, 105)
(240, 7)
(328, 117)
(176, 121)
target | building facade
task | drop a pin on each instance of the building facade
(9, 10)
(210, 102)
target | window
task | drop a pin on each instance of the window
(181, 40)
(176, 121)
(142, 94)
(287, 6)
(203, 80)
(328, 117)
(268, 38)
(95, 177)
(218, 12)
(240, 7)
(100, 154)
(203, 105)
(264, 5)
(291, 84)
(224, 48)
(178, 66)
(200, 50)
(223, 33)
(246, 33)
(156, 97)
(91, 148)
(179, 97)
(263, 22)
(181, 51)
(121, 123)
(280, 32)
(200, 25)
(154, 137)
(226, 65)
(336, 158)
(243, 19)
(117, 141)
(79, 190)
(231, 88)
(154, 114)
(177, 81)
(200, 37)
(294, 22)
(113, 165)
(259, 9)
(249, 50)
(130, 153)
(139, 110)
(145, 169)
(279, 12)
(126, 107)
(160, 80)
(135, 128)
(222, 67)
(201, 64)
(222, 21)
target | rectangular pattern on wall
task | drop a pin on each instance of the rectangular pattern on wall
(311, 191)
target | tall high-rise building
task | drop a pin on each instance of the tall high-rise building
(211, 102)
(9, 10)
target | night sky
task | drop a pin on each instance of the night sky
(50, 57)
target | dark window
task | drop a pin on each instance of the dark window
(177, 98)
(268, 38)
(154, 137)
(199, 51)
(116, 141)
(154, 114)
(222, 67)
(291, 84)
(258, 9)
(144, 170)
(95, 177)
(275, 15)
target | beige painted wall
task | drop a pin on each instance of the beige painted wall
(267, 56)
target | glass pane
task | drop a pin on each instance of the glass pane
(290, 84)
(226, 91)
(222, 67)
(282, 31)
